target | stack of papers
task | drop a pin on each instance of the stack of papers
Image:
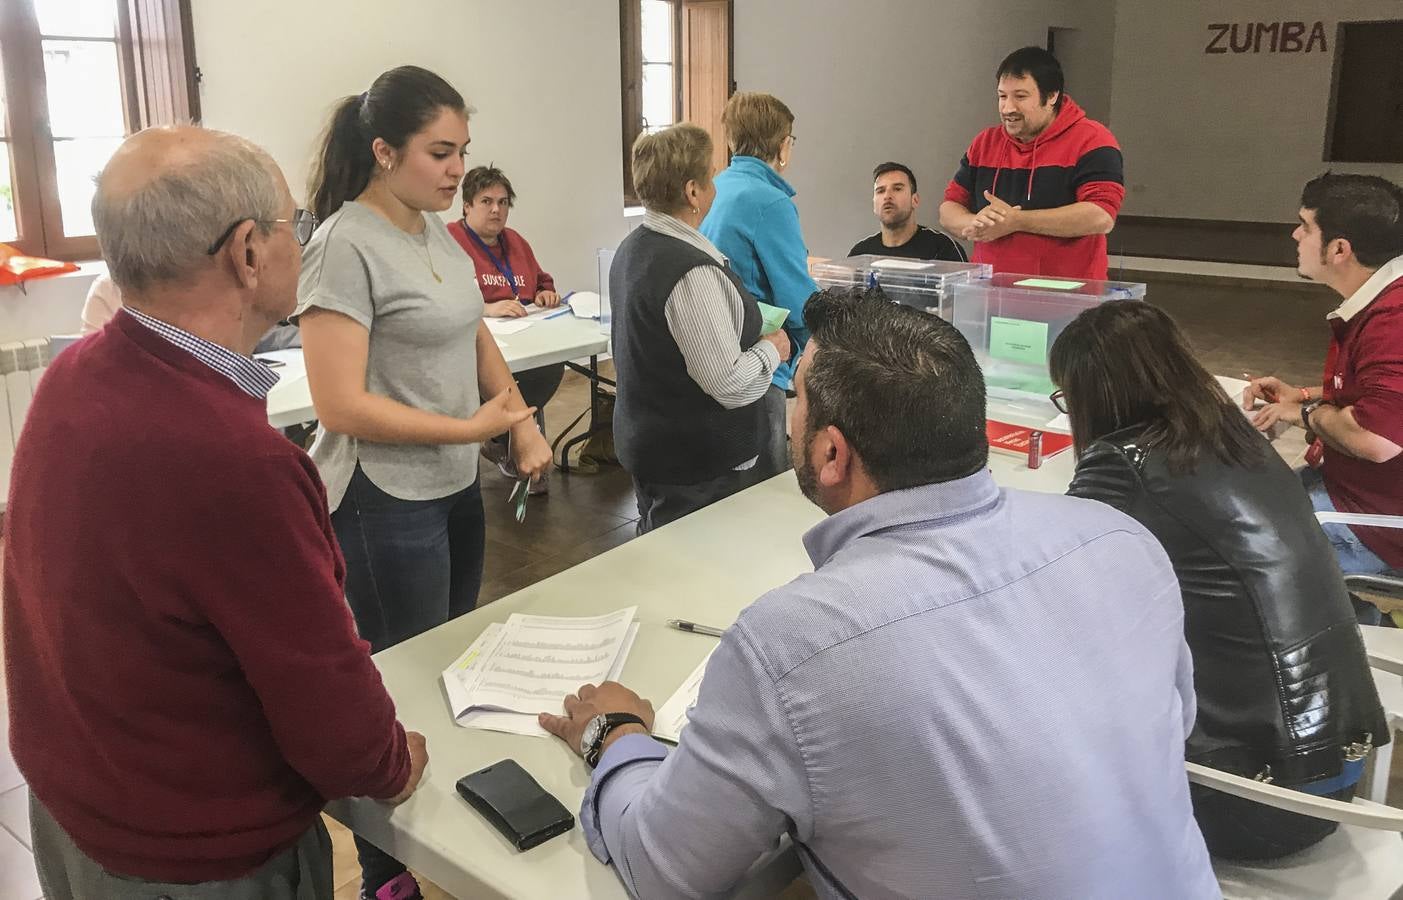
(672, 718)
(585, 304)
(530, 664)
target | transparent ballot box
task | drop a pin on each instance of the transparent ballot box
(1011, 322)
(922, 283)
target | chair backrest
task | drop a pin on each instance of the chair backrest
(1360, 812)
(1372, 521)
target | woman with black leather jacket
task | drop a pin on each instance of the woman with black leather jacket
(1283, 684)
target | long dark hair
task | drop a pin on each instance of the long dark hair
(399, 104)
(1126, 363)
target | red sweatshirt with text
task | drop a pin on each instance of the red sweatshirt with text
(530, 278)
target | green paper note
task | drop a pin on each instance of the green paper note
(1055, 284)
(773, 316)
(1018, 340)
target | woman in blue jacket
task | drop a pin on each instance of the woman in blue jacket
(755, 224)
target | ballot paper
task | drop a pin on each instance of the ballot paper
(585, 304)
(498, 325)
(672, 718)
(536, 313)
(906, 265)
(529, 664)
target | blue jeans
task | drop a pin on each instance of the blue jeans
(1353, 556)
(411, 565)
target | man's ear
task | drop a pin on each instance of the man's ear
(243, 253)
(835, 465)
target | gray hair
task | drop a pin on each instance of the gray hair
(162, 231)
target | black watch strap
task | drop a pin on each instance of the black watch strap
(1307, 408)
(611, 721)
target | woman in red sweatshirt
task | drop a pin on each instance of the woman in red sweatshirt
(511, 280)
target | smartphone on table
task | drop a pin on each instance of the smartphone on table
(516, 805)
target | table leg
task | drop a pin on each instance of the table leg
(595, 380)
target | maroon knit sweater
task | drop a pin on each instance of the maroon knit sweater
(186, 686)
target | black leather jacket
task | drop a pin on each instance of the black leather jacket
(1279, 666)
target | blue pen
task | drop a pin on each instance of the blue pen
(563, 309)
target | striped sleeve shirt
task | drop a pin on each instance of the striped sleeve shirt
(704, 316)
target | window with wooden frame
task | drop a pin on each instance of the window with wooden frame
(79, 76)
(677, 66)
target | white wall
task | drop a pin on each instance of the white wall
(1225, 136)
(543, 75)
(47, 306)
(908, 80)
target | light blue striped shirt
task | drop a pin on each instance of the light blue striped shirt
(977, 693)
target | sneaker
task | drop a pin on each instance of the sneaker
(401, 887)
(541, 485)
(495, 451)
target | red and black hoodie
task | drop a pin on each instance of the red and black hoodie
(1074, 159)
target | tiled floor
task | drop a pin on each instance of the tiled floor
(1263, 329)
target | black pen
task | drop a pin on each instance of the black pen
(694, 628)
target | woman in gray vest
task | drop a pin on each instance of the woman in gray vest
(692, 365)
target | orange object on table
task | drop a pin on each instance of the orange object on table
(15, 267)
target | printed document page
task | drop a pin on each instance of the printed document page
(529, 664)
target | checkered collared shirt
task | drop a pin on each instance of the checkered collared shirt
(251, 376)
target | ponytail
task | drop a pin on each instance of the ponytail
(343, 167)
(401, 103)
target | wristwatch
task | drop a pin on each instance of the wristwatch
(1306, 409)
(598, 728)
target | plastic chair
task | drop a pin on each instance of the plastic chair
(1374, 784)
(1362, 860)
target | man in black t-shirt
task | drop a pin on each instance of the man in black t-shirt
(894, 200)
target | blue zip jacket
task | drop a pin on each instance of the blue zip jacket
(756, 226)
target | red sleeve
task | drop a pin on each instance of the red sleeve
(1106, 194)
(1378, 367)
(275, 596)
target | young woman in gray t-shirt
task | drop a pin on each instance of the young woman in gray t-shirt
(397, 361)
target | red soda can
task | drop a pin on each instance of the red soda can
(1035, 449)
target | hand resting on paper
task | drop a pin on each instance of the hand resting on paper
(592, 700)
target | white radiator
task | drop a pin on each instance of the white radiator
(22, 364)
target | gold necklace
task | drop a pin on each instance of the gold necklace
(428, 256)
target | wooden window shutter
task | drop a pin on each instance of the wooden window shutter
(162, 79)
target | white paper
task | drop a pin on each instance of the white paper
(499, 326)
(526, 723)
(585, 304)
(1059, 422)
(672, 718)
(536, 313)
(910, 265)
(1233, 386)
(528, 665)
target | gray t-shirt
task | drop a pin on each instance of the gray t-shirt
(423, 343)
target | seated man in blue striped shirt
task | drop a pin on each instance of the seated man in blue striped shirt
(977, 692)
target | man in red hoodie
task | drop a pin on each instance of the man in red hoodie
(1038, 193)
(186, 687)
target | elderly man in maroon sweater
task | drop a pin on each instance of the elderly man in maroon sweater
(187, 689)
